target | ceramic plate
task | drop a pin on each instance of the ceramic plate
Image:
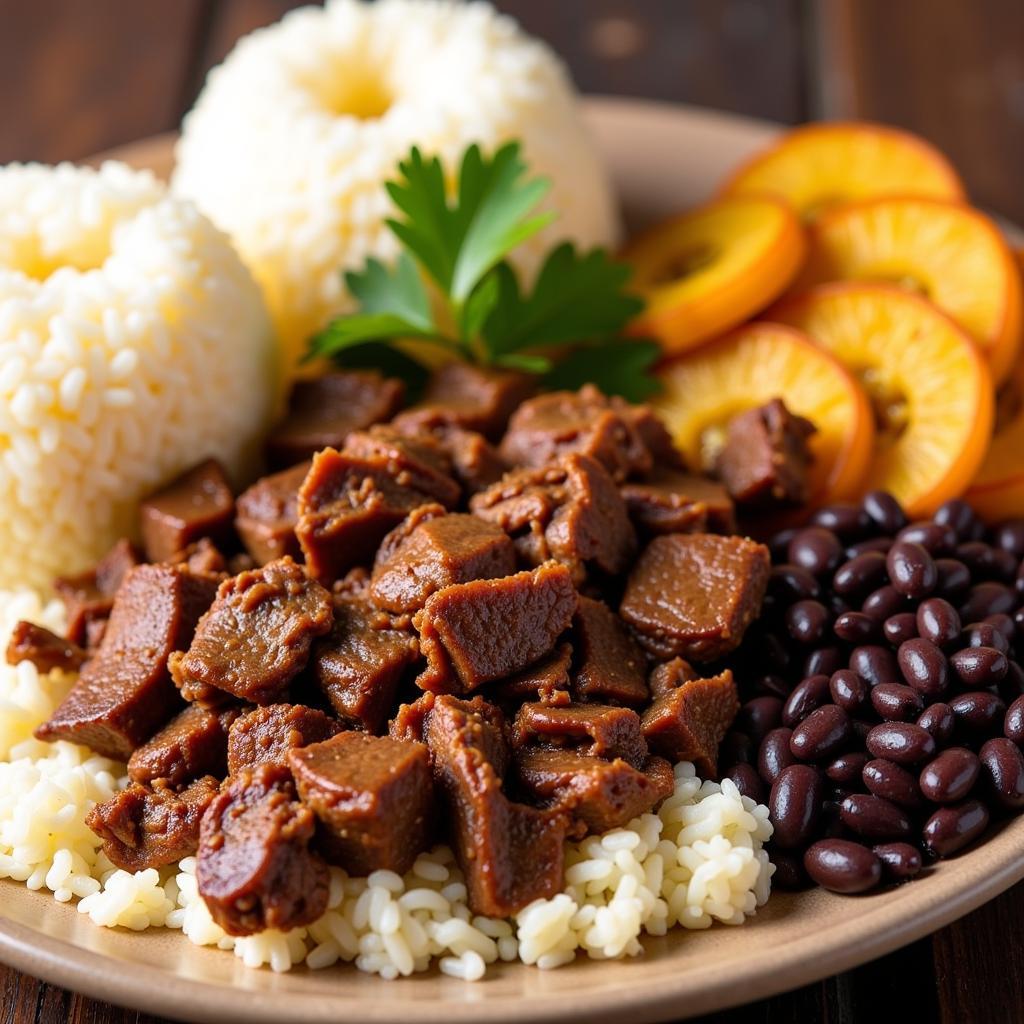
(663, 159)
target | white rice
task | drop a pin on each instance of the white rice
(700, 859)
(294, 134)
(132, 343)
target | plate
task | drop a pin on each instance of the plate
(663, 158)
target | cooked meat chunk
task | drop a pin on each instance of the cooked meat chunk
(255, 868)
(198, 504)
(266, 735)
(511, 854)
(360, 664)
(668, 501)
(374, 797)
(654, 434)
(89, 596)
(193, 743)
(766, 457)
(44, 649)
(593, 730)
(125, 693)
(473, 398)
(546, 680)
(688, 723)
(410, 721)
(257, 635)
(473, 633)
(475, 462)
(610, 667)
(323, 411)
(202, 556)
(268, 514)
(584, 422)
(598, 794)
(694, 595)
(430, 554)
(143, 827)
(670, 675)
(569, 511)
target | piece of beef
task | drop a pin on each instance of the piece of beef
(766, 457)
(202, 556)
(255, 868)
(569, 511)
(688, 723)
(44, 649)
(360, 664)
(410, 721)
(192, 744)
(268, 514)
(598, 794)
(323, 411)
(89, 596)
(694, 595)
(667, 676)
(511, 854)
(147, 827)
(266, 735)
(610, 667)
(125, 693)
(257, 635)
(472, 398)
(669, 501)
(199, 503)
(584, 422)
(429, 554)
(475, 462)
(593, 730)
(473, 633)
(374, 797)
(546, 681)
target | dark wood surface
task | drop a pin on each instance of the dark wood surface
(77, 77)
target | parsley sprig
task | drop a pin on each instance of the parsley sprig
(567, 327)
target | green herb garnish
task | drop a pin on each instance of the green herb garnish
(567, 328)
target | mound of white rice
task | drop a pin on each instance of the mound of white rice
(133, 342)
(700, 859)
(292, 137)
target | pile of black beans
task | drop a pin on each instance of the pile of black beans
(883, 714)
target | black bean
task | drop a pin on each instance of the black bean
(823, 662)
(807, 622)
(779, 543)
(1012, 684)
(881, 544)
(861, 728)
(939, 720)
(792, 583)
(842, 866)
(846, 770)
(936, 539)
(816, 550)
(883, 603)
(774, 754)
(843, 519)
(795, 805)
(1004, 566)
(772, 653)
(900, 861)
(1003, 623)
(855, 627)
(985, 634)
(1018, 583)
(979, 666)
(885, 511)
(952, 828)
(736, 748)
(772, 685)
(951, 776)
(924, 667)
(758, 716)
(860, 574)
(747, 781)
(978, 711)
(891, 782)
(1003, 771)
(807, 695)
(848, 690)
(1009, 536)
(901, 742)
(789, 871)
(937, 620)
(822, 734)
(896, 703)
(977, 556)
(954, 578)
(900, 627)
(958, 516)
(875, 664)
(873, 817)
(987, 599)
(1013, 724)
(911, 569)
(838, 605)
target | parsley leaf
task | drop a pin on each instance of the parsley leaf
(617, 366)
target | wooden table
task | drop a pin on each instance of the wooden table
(76, 78)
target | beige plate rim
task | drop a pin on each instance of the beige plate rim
(662, 158)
